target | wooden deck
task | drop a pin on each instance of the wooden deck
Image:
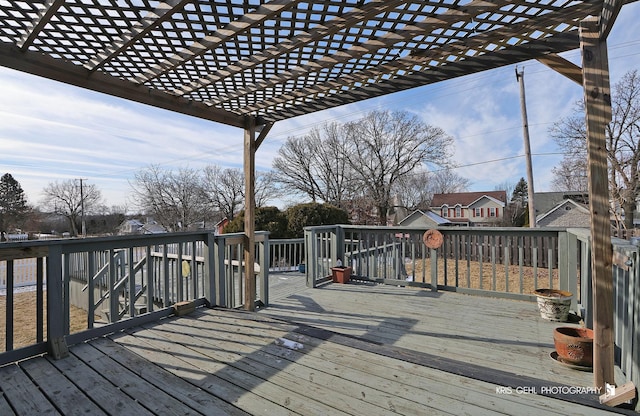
(341, 349)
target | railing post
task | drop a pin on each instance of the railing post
(114, 314)
(219, 255)
(634, 316)
(90, 289)
(563, 261)
(311, 260)
(263, 255)
(572, 268)
(434, 269)
(150, 279)
(337, 247)
(210, 270)
(57, 344)
(586, 293)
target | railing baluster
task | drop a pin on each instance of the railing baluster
(91, 289)
(39, 299)
(9, 308)
(114, 313)
(493, 262)
(520, 240)
(132, 283)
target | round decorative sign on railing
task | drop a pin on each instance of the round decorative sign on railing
(432, 238)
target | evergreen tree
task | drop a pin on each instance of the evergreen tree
(13, 204)
(519, 203)
(520, 193)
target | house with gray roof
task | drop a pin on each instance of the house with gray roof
(422, 219)
(470, 208)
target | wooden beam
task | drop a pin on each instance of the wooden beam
(64, 71)
(263, 134)
(598, 107)
(164, 11)
(608, 15)
(249, 213)
(218, 37)
(562, 66)
(50, 8)
(619, 395)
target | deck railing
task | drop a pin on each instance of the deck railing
(286, 255)
(626, 305)
(508, 262)
(85, 287)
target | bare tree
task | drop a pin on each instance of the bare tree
(175, 199)
(64, 198)
(224, 189)
(315, 165)
(570, 175)
(385, 146)
(447, 181)
(266, 188)
(623, 142)
(416, 191)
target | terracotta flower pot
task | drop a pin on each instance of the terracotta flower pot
(341, 274)
(554, 304)
(574, 345)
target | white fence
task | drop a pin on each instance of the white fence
(24, 273)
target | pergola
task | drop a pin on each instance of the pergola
(251, 63)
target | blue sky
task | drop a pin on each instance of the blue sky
(51, 131)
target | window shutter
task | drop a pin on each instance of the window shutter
(482, 212)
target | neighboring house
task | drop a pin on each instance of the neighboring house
(135, 226)
(220, 225)
(131, 226)
(152, 228)
(423, 220)
(546, 201)
(567, 213)
(470, 208)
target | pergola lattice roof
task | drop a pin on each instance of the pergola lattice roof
(226, 59)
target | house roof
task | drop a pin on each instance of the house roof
(231, 60)
(564, 203)
(430, 215)
(467, 198)
(545, 201)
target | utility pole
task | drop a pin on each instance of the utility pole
(527, 149)
(84, 225)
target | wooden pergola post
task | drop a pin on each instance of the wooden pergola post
(249, 213)
(598, 113)
(251, 144)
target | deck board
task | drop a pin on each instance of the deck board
(68, 397)
(98, 389)
(193, 396)
(504, 334)
(133, 385)
(19, 392)
(365, 349)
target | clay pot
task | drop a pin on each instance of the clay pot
(554, 304)
(341, 274)
(574, 345)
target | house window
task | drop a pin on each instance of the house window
(492, 212)
(445, 211)
(458, 211)
(477, 212)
